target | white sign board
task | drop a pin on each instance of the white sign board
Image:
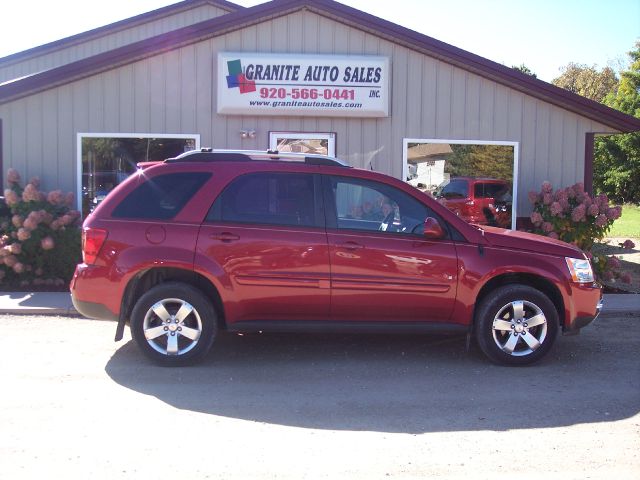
(311, 85)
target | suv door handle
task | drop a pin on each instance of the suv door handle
(224, 237)
(350, 245)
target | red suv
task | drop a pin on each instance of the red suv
(485, 201)
(261, 241)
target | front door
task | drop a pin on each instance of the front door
(382, 267)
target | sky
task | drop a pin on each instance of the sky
(545, 35)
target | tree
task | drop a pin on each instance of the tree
(617, 157)
(524, 69)
(481, 161)
(627, 97)
(587, 81)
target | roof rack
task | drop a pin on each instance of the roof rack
(210, 155)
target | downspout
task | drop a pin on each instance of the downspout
(588, 162)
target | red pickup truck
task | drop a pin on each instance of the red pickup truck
(484, 201)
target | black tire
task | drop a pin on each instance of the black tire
(503, 338)
(180, 338)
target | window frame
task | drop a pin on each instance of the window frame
(214, 215)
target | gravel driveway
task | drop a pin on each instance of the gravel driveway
(77, 405)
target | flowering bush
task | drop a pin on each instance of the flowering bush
(572, 215)
(39, 235)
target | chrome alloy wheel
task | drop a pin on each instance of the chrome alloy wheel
(519, 328)
(172, 326)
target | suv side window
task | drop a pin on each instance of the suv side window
(489, 190)
(269, 199)
(372, 206)
(161, 197)
(455, 189)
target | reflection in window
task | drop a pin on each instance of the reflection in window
(358, 202)
(490, 190)
(161, 197)
(107, 161)
(303, 142)
(474, 180)
(269, 198)
(456, 188)
(377, 207)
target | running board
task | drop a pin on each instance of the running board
(307, 326)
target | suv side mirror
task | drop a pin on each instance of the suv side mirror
(432, 229)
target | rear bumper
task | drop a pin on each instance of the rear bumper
(93, 310)
(88, 288)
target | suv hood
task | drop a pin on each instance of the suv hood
(516, 240)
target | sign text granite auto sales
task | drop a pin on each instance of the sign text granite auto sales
(313, 85)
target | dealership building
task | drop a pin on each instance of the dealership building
(296, 75)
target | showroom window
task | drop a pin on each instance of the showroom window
(106, 159)
(476, 179)
(303, 142)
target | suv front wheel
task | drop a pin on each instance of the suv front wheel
(174, 324)
(516, 325)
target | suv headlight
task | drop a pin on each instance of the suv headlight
(580, 270)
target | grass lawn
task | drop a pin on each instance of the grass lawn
(628, 225)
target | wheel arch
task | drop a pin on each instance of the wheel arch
(535, 281)
(151, 277)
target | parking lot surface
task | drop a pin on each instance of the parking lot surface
(78, 405)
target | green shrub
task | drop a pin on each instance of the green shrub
(39, 235)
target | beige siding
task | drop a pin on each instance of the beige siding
(109, 42)
(175, 93)
(62, 168)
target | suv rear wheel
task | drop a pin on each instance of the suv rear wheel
(516, 325)
(174, 324)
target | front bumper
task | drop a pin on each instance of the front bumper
(582, 321)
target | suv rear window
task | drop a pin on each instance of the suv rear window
(161, 197)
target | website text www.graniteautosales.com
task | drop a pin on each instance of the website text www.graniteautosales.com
(299, 104)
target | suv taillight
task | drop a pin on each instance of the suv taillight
(92, 241)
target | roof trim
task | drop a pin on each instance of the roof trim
(115, 27)
(338, 12)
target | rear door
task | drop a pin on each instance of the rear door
(266, 233)
(382, 267)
